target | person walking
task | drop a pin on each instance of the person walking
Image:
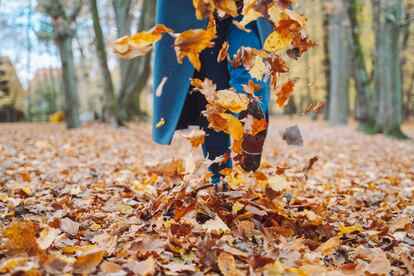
(181, 108)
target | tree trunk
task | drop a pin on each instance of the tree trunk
(109, 113)
(131, 85)
(339, 56)
(69, 82)
(326, 58)
(123, 22)
(388, 66)
(364, 111)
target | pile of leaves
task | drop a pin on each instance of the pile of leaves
(99, 200)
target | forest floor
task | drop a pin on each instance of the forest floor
(100, 200)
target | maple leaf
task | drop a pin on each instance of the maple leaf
(283, 94)
(192, 42)
(129, 47)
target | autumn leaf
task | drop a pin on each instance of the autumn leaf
(283, 94)
(227, 264)
(277, 41)
(203, 8)
(21, 237)
(292, 136)
(69, 226)
(196, 138)
(223, 52)
(129, 47)
(216, 225)
(279, 183)
(259, 126)
(233, 126)
(226, 7)
(231, 100)
(192, 42)
(329, 247)
(160, 123)
(87, 263)
(47, 237)
(349, 229)
(258, 68)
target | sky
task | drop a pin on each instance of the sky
(15, 36)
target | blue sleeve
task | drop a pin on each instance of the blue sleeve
(239, 75)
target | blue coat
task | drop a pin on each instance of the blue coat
(180, 16)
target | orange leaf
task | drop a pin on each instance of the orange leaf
(192, 42)
(21, 237)
(223, 52)
(233, 126)
(129, 47)
(87, 263)
(282, 96)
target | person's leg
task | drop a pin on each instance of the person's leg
(216, 144)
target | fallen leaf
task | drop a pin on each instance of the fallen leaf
(87, 263)
(69, 226)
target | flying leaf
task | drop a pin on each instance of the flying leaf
(292, 136)
(192, 42)
(129, 47)
(233, 126)
(232, 101)
(283, 94)
(160, 123)
(277, 41)
(223, 52)
(258, 68)
(196, 138)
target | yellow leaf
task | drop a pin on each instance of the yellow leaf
(237, 206)
(258, 68)
(277, 41)
(47, 237)
(140, 43)
(279, 183)
(160, 123)
(233, 126)
(329, 247)
(232, 101)
(125, 209)
(349, 229)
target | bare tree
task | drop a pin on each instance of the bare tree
(339, 56)
(390, 19)
(109, 112)
(63, 16)
(364, 109)
(123, 105)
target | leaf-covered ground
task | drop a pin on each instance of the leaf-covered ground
(100, 200)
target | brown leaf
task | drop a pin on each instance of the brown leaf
(284, 93)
